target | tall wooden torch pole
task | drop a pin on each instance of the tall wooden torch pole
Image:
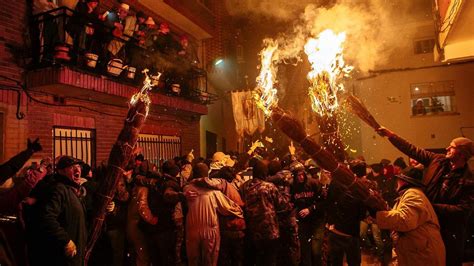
(341, 175)
(118, 159)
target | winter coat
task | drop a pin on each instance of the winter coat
(57, 217)
(138, 213)
(344, 211)
(228, 224)
(263, 204)
(203, 211)
(455, 205)
(419, 239)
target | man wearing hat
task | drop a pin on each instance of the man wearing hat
(417, 237)
(56, 224)
(449, 187)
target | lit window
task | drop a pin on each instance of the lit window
(424, 46)
(432, 98)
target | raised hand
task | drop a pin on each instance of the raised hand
(292, 148)
(34, 146)
(190, 156)
(384, 132)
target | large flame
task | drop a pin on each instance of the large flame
(265, 94)
(327, 66)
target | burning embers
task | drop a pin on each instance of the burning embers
(327, 66)
(325, 54)
(265, 94)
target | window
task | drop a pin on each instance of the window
(159, 147)
(75, 142)
(424, 46)
(433, 98)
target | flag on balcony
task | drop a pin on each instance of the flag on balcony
(248, 118)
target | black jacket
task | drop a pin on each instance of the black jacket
(344, 211)
(57, 217)
(308, 195)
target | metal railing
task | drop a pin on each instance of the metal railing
(159, 148)
(63, 37)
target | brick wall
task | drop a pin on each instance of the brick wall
(40, 118)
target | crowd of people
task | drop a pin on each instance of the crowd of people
(115, 39)
(252, 209)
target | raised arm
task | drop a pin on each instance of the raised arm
(226, 206)
(421, 155)
(410, 213)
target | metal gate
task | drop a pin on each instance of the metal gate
(76, 142)
(158, 148)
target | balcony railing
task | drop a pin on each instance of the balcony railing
(64, 37)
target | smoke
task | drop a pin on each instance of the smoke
(283, 10)
(370, 25)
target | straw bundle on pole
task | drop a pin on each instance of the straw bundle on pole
(361, 111)
(341, 175)
(118, 159)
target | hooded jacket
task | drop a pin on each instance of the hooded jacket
(307, 195)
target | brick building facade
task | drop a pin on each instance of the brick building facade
(62, 97)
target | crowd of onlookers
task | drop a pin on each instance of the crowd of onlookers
(114, 42)
(254, 208)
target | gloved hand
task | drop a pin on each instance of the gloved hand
(35, 146)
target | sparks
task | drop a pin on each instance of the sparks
(327, 66)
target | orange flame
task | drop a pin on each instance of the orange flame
(327, 66)
(265, 94)
(148, 84)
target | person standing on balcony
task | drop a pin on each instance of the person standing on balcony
(120, 24)
(82, 25)
(44, 31)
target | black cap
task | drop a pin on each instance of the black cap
(66, 161)
(412, 176)
(140, 157)
(400, 163)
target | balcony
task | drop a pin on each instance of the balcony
(74, 51)
(455, 34)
